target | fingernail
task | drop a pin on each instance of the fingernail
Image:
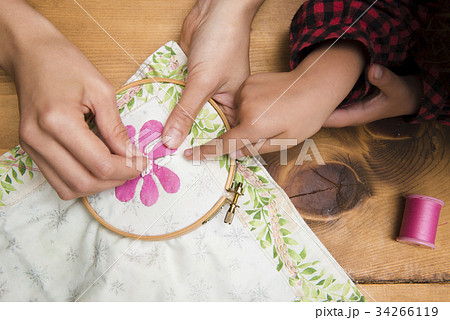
(188, 153)
(172, 138)
(378, 72)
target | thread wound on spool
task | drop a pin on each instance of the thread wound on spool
(420, 220)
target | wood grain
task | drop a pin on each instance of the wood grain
(406, 292)
(354, 204)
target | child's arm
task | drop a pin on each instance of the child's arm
(268, 111)
(57, 86)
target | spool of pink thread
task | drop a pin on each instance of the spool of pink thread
(420, 221)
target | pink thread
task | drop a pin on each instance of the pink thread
(420, 220)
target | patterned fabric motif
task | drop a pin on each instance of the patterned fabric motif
(13, 168)
(386, 31)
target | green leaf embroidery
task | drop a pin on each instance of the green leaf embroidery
(130, 104)
(265, 200)
(264, 180)
(303, 253)
(29, 162)
(254, 168)
(195, 130)
(264, 244)
(22, 167)
(305, 288)
(309, 271)
(256, 223)
(328, 281)
(169, 94)
(268, 238)
(280, 264)
(346, 289)
(292, 282)
(336, 287)
(7, 186)
(15, 176)
(290, 241)
(261, 233)
(294, 255)
(285, 232)
(304, 265)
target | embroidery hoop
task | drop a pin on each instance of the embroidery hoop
(206, 217)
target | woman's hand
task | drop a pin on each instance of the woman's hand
(397, 96)
(57, 86)
(216, 37)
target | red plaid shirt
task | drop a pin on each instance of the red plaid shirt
(386, 30)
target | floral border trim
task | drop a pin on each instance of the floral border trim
(271, 229)
(13, 168)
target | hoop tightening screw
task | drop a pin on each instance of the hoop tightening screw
(238, 191)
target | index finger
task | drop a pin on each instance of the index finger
(196, 93)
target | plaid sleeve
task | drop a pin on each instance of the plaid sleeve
(384, 28)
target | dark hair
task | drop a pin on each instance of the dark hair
(433, 39)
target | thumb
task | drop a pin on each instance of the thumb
(180, 121)
(383, 78)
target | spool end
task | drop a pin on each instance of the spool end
(421, 196)
(416, 242)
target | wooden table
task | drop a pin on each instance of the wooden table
(354, 203)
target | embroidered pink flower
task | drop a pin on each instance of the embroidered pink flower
(173, 63)
(150, 131)
(127, 97)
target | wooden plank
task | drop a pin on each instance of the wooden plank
(9, 121)
(406, 292)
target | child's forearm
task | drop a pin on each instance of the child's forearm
(328, 74)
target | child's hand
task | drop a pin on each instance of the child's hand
(294, 105)
(398, 96)
(57, 86)
(215, 36)
(264, 115)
